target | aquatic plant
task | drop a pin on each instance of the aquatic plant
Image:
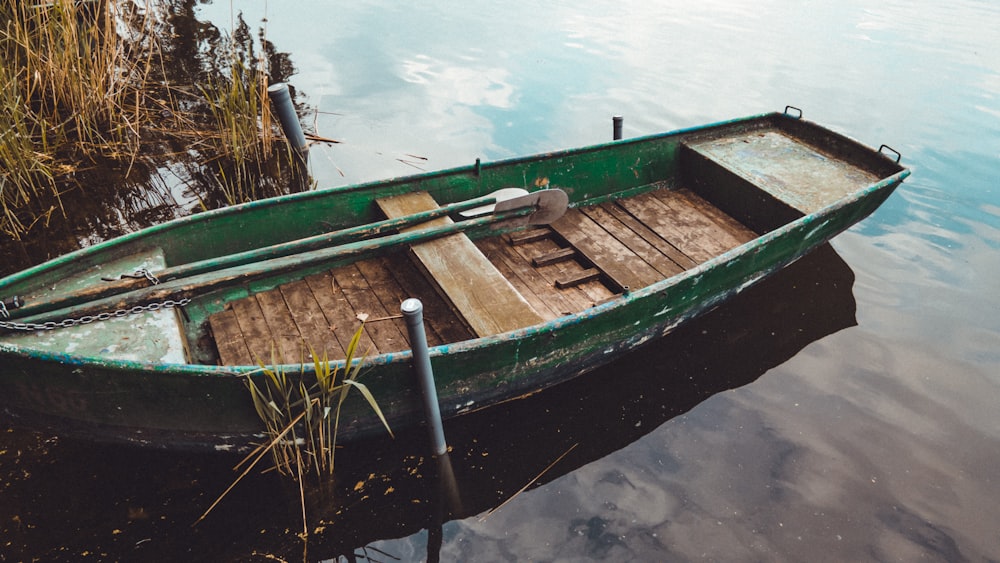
(247, 160)
(247, 163)
(282, 404)
(301, 416)
(87, 95)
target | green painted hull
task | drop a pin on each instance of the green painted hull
(192, 405)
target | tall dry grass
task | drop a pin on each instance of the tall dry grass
(247, 163)
(84, 87)
(73, 76)
(243, 131)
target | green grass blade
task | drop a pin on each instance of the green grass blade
(371, 401)
(352, 348)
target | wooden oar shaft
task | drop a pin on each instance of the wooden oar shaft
(316, 242)
(117, 287)
(192, 286)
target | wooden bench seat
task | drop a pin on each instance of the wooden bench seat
(481, 295)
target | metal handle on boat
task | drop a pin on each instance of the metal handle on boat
(894, 151)
(799, 116)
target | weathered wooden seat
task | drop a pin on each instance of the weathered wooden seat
(483, 297)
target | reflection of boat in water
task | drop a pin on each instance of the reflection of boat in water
(391, 489)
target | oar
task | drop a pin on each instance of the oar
(472, 207)
(479, 205)
(538, 208)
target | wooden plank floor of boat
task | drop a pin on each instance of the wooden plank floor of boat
(584, 258)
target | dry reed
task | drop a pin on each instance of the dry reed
(243, 131)
(73, 77)
(84, 87)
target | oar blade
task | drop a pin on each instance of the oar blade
(549, 205)
(502, 194)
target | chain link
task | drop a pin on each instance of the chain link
(87, 319)
(148, 275)
(8, 303)
(137, 275)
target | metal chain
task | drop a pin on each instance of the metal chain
(87, 319)
(148, 275)
(14, 302)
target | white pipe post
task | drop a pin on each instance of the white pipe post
(413, 312)
(285, 110)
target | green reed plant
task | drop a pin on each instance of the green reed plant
(302, 413)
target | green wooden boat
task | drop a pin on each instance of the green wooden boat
(149, 337)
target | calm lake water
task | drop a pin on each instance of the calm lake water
(848, 410)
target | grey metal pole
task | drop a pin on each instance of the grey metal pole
(282, 101)
(616, 127)
(413, 312)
